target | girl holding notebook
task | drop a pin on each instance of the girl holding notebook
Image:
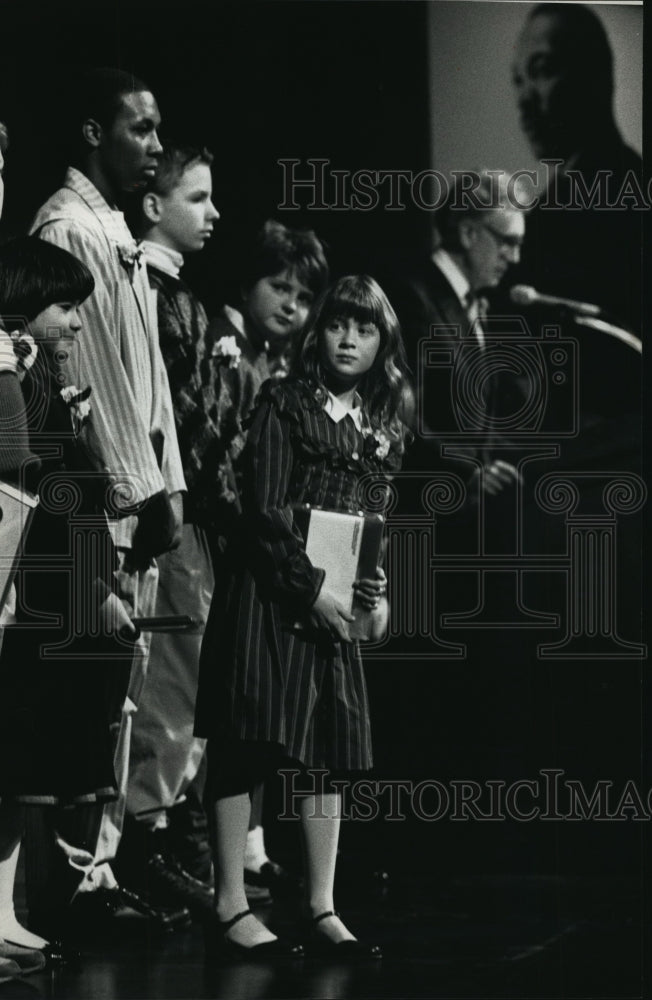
(272, 693)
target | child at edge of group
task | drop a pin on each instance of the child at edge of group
(271, 693)
(62, 677)
(284, 271)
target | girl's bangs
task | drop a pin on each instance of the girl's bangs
(356, 303)
(69, 284)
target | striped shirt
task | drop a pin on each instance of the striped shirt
(118, 350)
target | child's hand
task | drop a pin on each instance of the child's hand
(328, 613)
(369, 592)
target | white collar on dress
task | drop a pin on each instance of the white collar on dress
(162, 258)
(336, 410)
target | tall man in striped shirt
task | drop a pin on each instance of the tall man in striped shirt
(115, 148)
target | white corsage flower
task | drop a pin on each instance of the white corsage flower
(130, 254)
(226, 349)
(377, 443)
(382, 449)
(77, 401)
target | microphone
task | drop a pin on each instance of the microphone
(525, 295)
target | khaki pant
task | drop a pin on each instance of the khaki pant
(165, 755)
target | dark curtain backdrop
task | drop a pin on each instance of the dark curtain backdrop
(254, 82)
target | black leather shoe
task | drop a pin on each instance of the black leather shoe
(166, 918)
(319, 946)
(103, 908)
(280, 882)
(147, 866)
(220, 948)
(170, 885)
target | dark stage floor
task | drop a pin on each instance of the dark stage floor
(473, 937)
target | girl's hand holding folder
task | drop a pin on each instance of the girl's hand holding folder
(329, 614)
(369, 592)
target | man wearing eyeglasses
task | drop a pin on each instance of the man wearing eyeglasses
(479, 232)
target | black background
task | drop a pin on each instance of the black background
(347, 82)
(254, 82)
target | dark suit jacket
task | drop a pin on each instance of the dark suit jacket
(456, 396)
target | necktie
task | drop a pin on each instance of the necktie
(476, 310)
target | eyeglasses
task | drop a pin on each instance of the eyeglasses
(504, 240)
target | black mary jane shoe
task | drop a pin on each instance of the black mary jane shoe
(352, 950)
(220, 948)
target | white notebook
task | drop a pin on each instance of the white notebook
(347, 547)
(333, 544)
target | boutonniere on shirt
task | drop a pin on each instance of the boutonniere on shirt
(130, 254)
(78, 403)
(227, 350)
(376, 443)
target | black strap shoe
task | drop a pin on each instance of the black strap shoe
(320, 946)
(220, 948)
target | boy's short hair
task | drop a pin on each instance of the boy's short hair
(170, 168)
(277, 248)
(4, 138)
(34, 274)
(173, 163)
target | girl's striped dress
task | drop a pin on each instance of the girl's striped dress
(261, 679)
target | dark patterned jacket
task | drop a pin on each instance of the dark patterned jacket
(239, 369)
(182, 326)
